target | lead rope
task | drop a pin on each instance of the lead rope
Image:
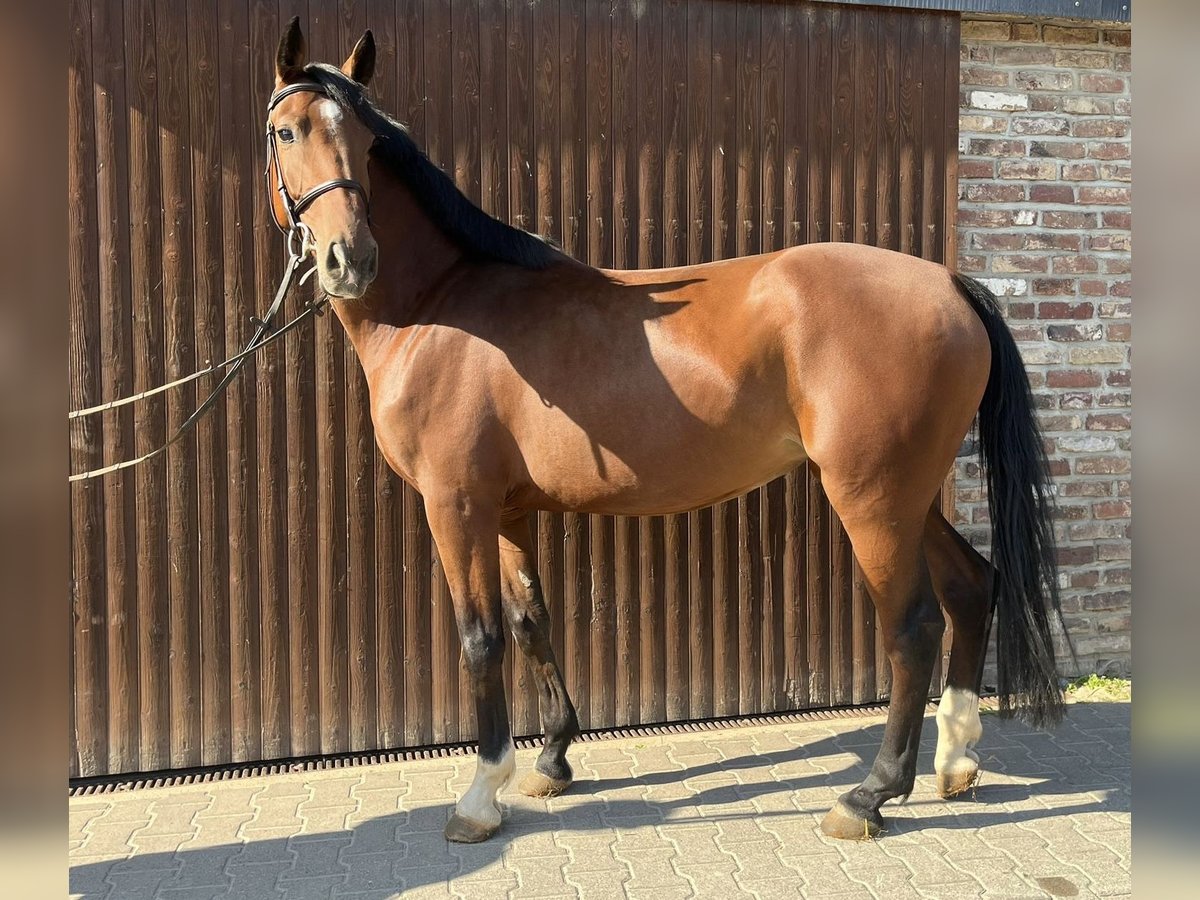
(299, 247)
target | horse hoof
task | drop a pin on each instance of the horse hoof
(843, 823)
(535, 784)
(952, 784)
(461, 830)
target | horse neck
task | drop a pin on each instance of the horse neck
(414, 257)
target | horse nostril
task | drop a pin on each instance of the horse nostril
(335, 259)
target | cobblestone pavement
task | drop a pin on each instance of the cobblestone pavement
(727, 813)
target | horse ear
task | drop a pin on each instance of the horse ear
(360, 64)
(289, 58)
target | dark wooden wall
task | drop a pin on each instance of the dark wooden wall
(270, 589)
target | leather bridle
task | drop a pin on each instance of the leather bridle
(294, 229)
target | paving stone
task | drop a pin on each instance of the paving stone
(712, 814)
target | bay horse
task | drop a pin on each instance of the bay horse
(506, 377)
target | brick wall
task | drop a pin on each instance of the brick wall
(1044, 220)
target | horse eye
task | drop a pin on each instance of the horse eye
(286, 135)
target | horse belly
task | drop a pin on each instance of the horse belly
(657, 463)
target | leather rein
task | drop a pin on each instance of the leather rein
(300, 245)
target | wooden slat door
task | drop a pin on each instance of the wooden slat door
(271, 589)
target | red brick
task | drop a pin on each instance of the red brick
(1101, 465)
(1114, 309)
(1118, 265)
(1006, 264)
(1074, 265)
(1111, 509)
(1088, 579)
(1111, 600)
(986, 218)
(1086, 488)
(1080, 172)
(968, 122)
(1065, 513)
(1119, 333)
(1118, 378)
(1076, 400)
(1029, 169)
(1053, 125)
(1108, 150)
(1073, 378)
(1018, 310)
(1110, 243)
(1075, 556)
(1024, 56)
(1122, 575)
(1117, 400)
(996, 147)
(1110, 196)
(1116, 37)
(1088, 106)
(1058, 149)
(1091, 288)
(1118, 220)
(1044, 102)
(1051, 193)
(1107, 551)
(1001, 241)
(1072, 333)
(1116, 172)
(1122, 62)
(986, 30)
(976, 168)
(1097, 128)
(994, 193)
(1083, 59)
(1026, 332)
(1058, 468)
(1060, 34)
(982, 76)
(1102, 84)
(1108, 422)
(1026, 31)
(1057, 309)
(1064, 219)
(1054, 287)
(1052, 240)
(1120, 289)
(1044, 81)
(968, 262)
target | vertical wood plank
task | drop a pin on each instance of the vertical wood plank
(89, 703)
(116, 378)
(174, 128)
(270, 389)
(238, 197)
(145, 267)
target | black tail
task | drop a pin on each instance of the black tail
(1025, 588)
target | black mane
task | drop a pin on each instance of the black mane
(465, 223)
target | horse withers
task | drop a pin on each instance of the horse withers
(507, 377)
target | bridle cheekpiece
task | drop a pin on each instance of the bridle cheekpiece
(300, 236)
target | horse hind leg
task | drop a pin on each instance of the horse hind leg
(888, 548)
(529, 622)
(962, 579)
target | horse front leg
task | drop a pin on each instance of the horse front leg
(465, 530)
(529, 621)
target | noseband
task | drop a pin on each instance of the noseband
(297, 230)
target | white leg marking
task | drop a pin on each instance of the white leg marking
(959, 729)
(479, 802)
